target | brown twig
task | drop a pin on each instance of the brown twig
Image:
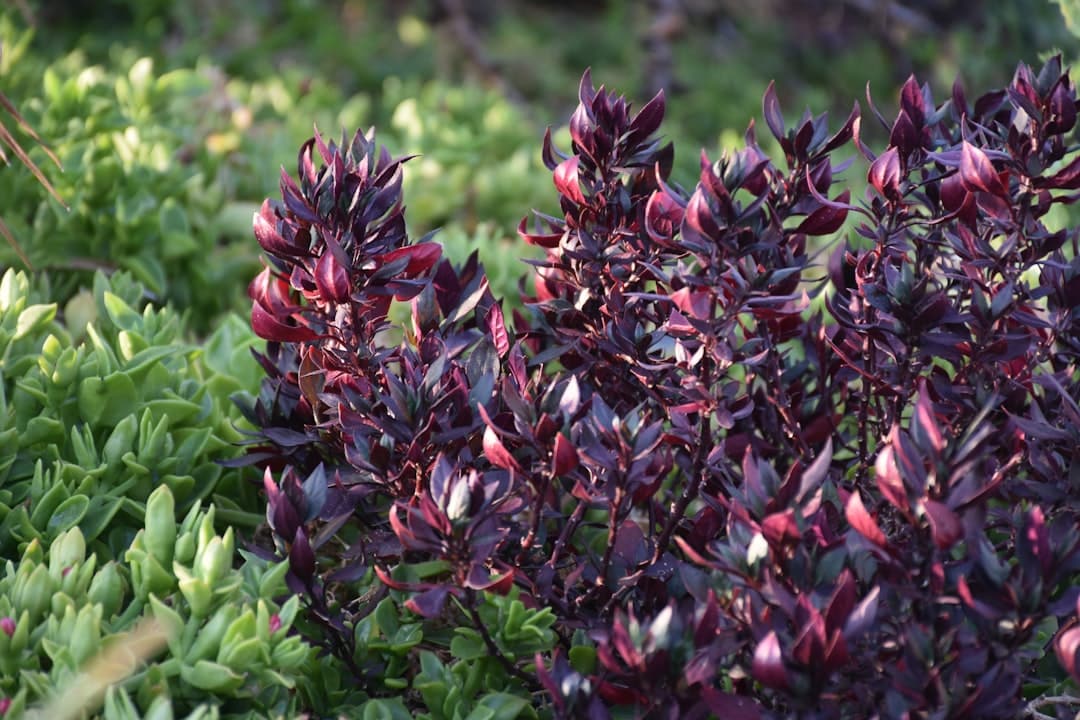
(472, 45)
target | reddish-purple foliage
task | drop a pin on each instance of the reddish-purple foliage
(761, 492)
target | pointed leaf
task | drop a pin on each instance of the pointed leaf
(978, 173)
(945, 526)
(768, 664)
(826, 219)
(564, 456)
(429, 603)
(885, 172)
(496, 452)
(566, 180)
(770, 106)
(862, 522)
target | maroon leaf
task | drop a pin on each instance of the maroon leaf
(768, 664)
(544, 240)
(884, 174)
(496, 452)
(731, 707)
(663, 216)
(496, 325)
(978, 173)
(862, 522)
(771, 108)
(826, 219)
(566, 180)
(945, 526)
(269, 327)
(1067, 649)
(889, 481)
(863, 617)
(564, 456)
(780, 527)
(422, 256)
(924, 426)
(952, 192)
(430, 603)
(332, 279)
(264, 224)
(904, 135)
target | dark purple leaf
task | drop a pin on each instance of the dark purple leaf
(884, 174)
(564, 456)
(904, 135)
(771, 108)
(889, 481)
(827, 219)
(566, 180)
(912, 103)
(978, 173)
(731, 707)
(863, 617)
(862, 522)
(496, 452)
(496, 326)
(301, 557)
(1067, 649)
(429, 603)
(815, 474)
(332, 279)
(269, 327)
(768, 664)
(648, 119)
(945, 526)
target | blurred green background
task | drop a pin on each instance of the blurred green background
(172, 120)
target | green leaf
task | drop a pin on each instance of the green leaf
(43, 509)
(386, 617)
(467, 644)
(42, 430)
(33, 318)
(105, 402)
(148, 271)
(384, 709)
(171, 622)
(211, 676)
(498, 706)
(583, 659)
(99, 515)
(123, 315)
(68, 514)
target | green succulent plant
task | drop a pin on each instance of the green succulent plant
(102, 403)
(227, 648)
(142, 157)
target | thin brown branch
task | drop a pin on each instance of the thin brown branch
(10, 237)
(14, 112)
(12, 143)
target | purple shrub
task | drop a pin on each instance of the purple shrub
(757, 485)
